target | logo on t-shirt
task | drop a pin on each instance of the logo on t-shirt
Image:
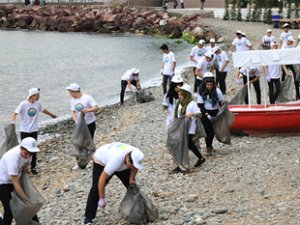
(166, 59)
(79, 107)
(208, 67)
(240, 43)
(200, 53)
(31, 112)
(121, 146)
(219, 58)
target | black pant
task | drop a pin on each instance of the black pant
(93, 198)
(274, 94)
(220, 80)
(123, 88)
(197, 84)
(193, 147)
(256, 88)
(166, 79)
(92, 128)
(209, 130)
(34, 155)
(5, 197)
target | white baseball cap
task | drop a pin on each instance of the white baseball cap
(187, 88)
(135, 70)
(286, 25)
(291, 38)
(33, 91)
(212, 40)
(30, 144)
(209, 54)
(244, 34)
(137, 159)
(73, 87)
(177, 79)
(269, 30)
(252, 68)
(208, 75)
(201, 42)
(215, 49)
(238, 32)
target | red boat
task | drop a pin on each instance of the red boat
(279, 118)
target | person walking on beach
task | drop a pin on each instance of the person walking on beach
(122, 160)
(188, 107)
(130, 78)
(239, 43)
(209, 99)
(221, 65)
(12, 164)
(196, 54)
(171, 98)
(285, 34)
(205, 64)
(267, 40)
(253, 74)
(168, 66)
(29, 110)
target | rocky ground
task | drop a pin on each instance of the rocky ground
(253, 181)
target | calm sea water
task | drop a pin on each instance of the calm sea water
(51, 61)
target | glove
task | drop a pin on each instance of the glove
(209, 117)
(237, 81)
(102, 203)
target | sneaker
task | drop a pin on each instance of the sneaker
(209, 151)
(76, 167)
(199, 162)
(87, 221)
(34, 172)
(176, 170)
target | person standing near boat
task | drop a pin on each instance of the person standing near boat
(240, 43)
(196, 54)
(221, 65)
(209, 100)
(285, 34)
(29, 110)
(253, 74)
(131, 77)
(168, 66)
(267, 40)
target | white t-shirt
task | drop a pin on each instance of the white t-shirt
(197, 53)
(168, 60)
(191, 108)
(128, 75)
(29, 115)
(246, 70)
(284, 36)
(268, 39)
(204, 66)
(241, 44)
(274, 71)
(112, 156)
(171, 109)
(78, 104)
(208, 102)
(220, 61)
(11, 164)
(285, 46)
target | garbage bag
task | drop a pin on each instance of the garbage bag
(11, 139)
(83, 142)
(144, 95)
(240, 97)
(287, 88)
(23, 212)
(136, 207)
(221, 124)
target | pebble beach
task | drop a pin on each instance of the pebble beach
(256, 180)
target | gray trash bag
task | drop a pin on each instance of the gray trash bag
(23, 212)
(177, 142)
(83, 142)
(240, 97)
(144, 95)
(221, 124)
(287, 88)
(136, 207)
(11, 139)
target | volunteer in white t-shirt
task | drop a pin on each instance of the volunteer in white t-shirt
(285, 34)
(240, 43)
(168, 66)
(253, 74)
(221, 64)
(12, 164)
(171, 98)
(205, 64)
(130, 77)
(188, 107)
(267, 40)
(212, 45)
(83, 103)
(122, 160)
(298, 41)
(209, 100)
(197, 52)
(274, 73)
(29, 110)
